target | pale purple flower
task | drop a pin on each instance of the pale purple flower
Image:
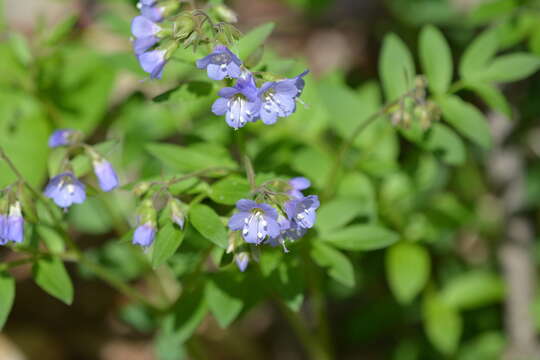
(142, 27)
(154, 13)
(147, 2)
(144, 235)
(255, 220)
(14, 224)
(242, 260)
(143, 44)
(3, 229)
(301, 212)
(65, 189)
(62, 137)
(278, 100)
(284, 226)
(153, 62)
(297, 185)
(107, 178)
(240, 103)
(221, 63)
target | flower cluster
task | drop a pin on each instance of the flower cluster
(11, 223)
(245, 102)
(65, 189)
(261, 223)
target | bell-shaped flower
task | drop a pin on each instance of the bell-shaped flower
(65, 189)
(301, 212)
(144, 234)
(221, 63)
(240, 103)
(153, 62)
(63, 137)
(255, 220)
(242, 260)
(107, 178)
(142, 27)
(14, 224)
(278, 100)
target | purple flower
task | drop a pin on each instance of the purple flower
(284, 226)
(65, 189)
(255, 220)
(107, 178)
(144, 235)
(242, 260)
(278, 100)
(153, 62)
(240, 103)
(297, 184)
(63, 137)
(147, 2)
(3, 229)
(301, 212)
(221, 63)
(154, 13)
(300, 83)
(142, 27)
(14, 224)
(141, 45)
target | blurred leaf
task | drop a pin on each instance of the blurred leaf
(478, 54)
(288, 283)
(20, 46)
(436, 59)
(168, 240)
(442, 139)
(492, 96)
(361, 238)
(313, 164)
(92, 216)
(138, 316)
(396, 67)
(337, 213)
(511, 67)
(269, 260)
(51, 238)
(192, 158)
(187, 314)
(407, 269)
(222, 299)
(253, 39)
(51, 275)
(208, 223)
(229, 190)
(7, 289)
(473, 289)
(443, 325)
(486, 346)
(467, 119)
(493, 9)
(61, 31)
(339, 266)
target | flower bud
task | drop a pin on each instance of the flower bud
(225, 13)
(177, 214)
(107, 178)
(183, 26)
(65, 137)
(242, 260)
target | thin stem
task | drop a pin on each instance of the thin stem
(346, 146)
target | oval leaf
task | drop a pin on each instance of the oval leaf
(478, 54)
(51, 275)
(229, 190)
(168, 240)
(510, 67)
(222, 302)
(339, 266)
(7, 289)
(208, 223)
(436, 59)
(407, 269)
(443, 325)
(396, 67)
(362, 237)
(473, 289)
(253, 39)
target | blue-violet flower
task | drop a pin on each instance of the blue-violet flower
(297, 184)
(65, 189)
(301, 212)
(144, 234)
(107, 178)
(255, 220)
(221, 63)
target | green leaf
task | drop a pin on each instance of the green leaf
(192, 158)
(466, 119)
(51, 275)
(229, 190)
(314, 164)
(7, 289)
(361, 237)
(436, 59)
(478, 54)
(254, 39)
(443, 325)
(289, 284)
(207, 222)
(473, 289)
(339, 266)
(511, 67)
(407, 270)
(442, 139)
(492, 96)
(187, 314)
(338, 212)
(491, 10)
(168, 240)
(396, 67)
(222, 301)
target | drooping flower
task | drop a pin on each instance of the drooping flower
(242, 260)
(142, 27)
(240, 103)
(63, 137)
(297, 184)
(153, 62)
(284, 226)
(141, 45)
(65, 189)
(279, 98)
(255, 220)
(221, 63)
(14, 223)
(151, 12)
(144, 234)
(3, 229)
(301, 212)
(177, 215)
(107, 178)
